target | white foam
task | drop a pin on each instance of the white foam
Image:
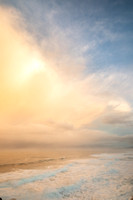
(107, 176)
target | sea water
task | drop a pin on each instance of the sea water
(100, 177)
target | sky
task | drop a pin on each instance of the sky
(66, 71)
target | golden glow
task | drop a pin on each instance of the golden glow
(35, 66)
(29, 68)
(34, 96)
(37, 102)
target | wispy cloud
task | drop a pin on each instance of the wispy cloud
(49, 95)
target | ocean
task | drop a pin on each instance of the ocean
(77, 175)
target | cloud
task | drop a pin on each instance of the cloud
(119, 118)
(46, 97)
(39, 91)
(40, 136)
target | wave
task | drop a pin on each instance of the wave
(104, 176)
(30, 163)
